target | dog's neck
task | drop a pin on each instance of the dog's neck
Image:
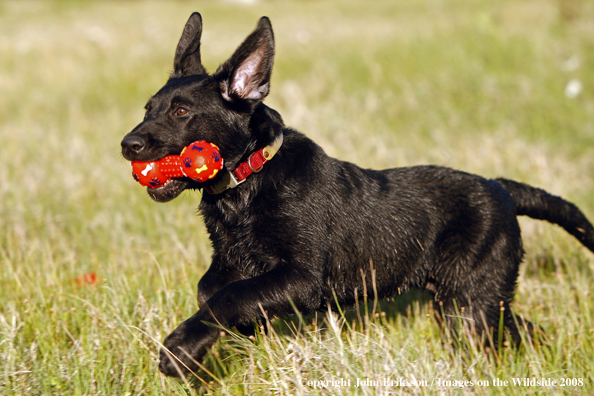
(254, 164)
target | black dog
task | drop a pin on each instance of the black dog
(305, 227)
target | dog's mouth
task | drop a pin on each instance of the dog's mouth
(169, 190)
(173, 188)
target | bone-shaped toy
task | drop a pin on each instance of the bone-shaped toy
(200, 161)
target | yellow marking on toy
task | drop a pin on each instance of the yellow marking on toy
(213, 174)
(202, 169)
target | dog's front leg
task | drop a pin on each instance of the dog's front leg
(238, 304)
(214, 280)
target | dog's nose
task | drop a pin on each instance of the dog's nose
(132, 145)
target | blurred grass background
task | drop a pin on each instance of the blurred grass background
(500, 88)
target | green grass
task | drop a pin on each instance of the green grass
(474, 85)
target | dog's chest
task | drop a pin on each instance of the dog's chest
(244, 239)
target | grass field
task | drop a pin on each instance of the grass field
(500, 88)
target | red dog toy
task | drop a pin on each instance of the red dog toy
(200, 161)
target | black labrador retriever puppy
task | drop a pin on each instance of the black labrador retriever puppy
(294, 228)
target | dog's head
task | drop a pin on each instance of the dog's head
(223, 108)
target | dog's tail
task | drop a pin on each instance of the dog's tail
(539, 204)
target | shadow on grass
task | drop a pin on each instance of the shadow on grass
(404, 305)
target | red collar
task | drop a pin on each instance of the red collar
(254, 164)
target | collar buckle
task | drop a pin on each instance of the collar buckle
(228, 181)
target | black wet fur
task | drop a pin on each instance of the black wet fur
(305, 227)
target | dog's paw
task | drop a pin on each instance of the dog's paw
(185, 347)
(176, 365)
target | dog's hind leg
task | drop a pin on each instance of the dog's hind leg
(481, 317)
(476, 279)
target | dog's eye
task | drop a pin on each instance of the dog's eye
(180, 111)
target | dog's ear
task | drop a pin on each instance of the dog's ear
(246, 75)
(187, 55)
